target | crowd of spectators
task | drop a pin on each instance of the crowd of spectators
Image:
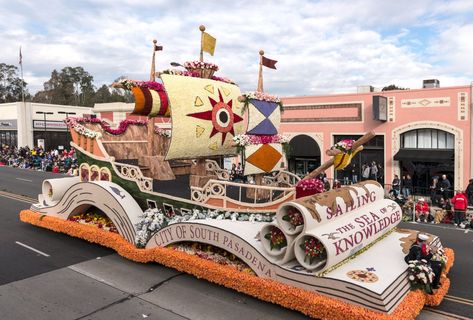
(36, 158)
(442, 207)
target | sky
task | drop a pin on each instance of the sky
(322, 47)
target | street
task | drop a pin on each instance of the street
(46, 275)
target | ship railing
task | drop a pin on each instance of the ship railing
(282, 178)
(241, 193)
(132, 172)
(213, 168)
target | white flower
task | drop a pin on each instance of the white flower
(411, 277)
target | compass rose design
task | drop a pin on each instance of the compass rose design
(221, 115)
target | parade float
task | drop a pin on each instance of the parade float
(158, 195)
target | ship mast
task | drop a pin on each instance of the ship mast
(151, 121)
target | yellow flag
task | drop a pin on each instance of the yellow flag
(208, 43)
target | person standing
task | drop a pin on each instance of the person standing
(445, 186)
(396, 186)
(380, 174)
(460, 203)
(469, 192)
(433, 190)
(354, 173)
(365, 174)
(374, 171)
(407, 186)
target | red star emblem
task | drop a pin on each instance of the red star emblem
(221, 115)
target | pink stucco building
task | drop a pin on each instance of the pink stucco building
(427, 132)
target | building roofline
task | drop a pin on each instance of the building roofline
(374, 93)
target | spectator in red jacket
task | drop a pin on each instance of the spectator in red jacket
(422, 210)
(460, 203)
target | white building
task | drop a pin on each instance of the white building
(33, 124)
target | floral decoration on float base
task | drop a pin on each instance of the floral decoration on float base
(309, 303)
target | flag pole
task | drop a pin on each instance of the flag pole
(152, 76)
(22, 80)
(260, 74)
(152, 121)
(202, 29)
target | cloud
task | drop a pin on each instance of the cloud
(322, 46)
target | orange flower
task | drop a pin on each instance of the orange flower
(306, 302)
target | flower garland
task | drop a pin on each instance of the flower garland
(200, 65)
(184, 73)
(152, 220)
(75, 123)
(80, 129)
(257, 95)
(294, 217)
(344, 146)
(243, 140)
(313, 249)
(306, 302)
(195, 74)
(311, 184)
(420, 275)
(129, 84)
(277, 239)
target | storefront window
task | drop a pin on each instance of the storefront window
(9, 138)
(364, 162)
(427, 139)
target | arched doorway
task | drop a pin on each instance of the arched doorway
(424, 154)
(304, 155)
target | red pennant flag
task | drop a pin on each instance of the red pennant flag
(158, 48)
(269, 63)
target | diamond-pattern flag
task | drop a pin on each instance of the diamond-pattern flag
(264, 118)
(263, 158)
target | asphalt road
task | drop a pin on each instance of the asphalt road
(23, 181)
(72, 279)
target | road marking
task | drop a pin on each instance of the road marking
(448, 314)
(32, 249)
(459, 300)
(24, 179)
(17, 197)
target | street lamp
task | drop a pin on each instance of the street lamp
(44, 115)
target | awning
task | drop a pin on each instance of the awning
(427, 155)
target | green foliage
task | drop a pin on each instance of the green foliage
(75, 86)
(393, 87)
(11, 84)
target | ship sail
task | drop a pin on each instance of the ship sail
(265, 153)
(206, 115)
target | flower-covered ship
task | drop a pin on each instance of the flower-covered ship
(163, 190)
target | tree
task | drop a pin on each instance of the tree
(11, 84)
(71, 86)
(103, 95)
(393, 87)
